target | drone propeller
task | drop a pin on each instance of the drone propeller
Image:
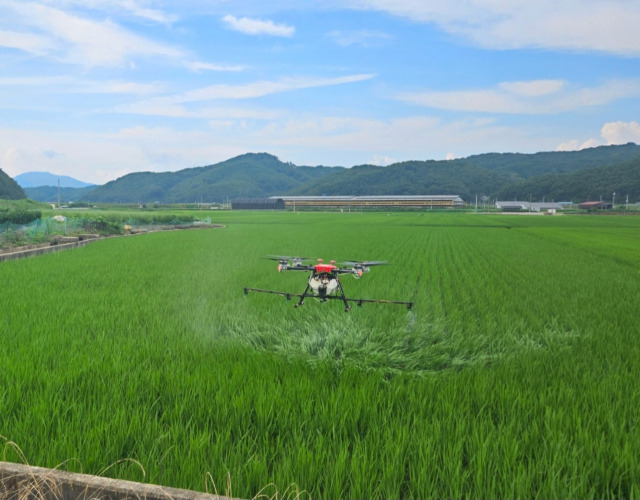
(365, 263)
(360, 267)
(283, 261)
(286, 258)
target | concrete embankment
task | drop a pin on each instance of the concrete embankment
(23, 482)
(63, 243)
(68, 242)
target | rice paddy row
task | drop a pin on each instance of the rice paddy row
(514, 376)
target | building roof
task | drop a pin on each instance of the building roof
(454, 197)
(525, 205)
(587, 204)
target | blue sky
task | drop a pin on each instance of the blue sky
(96, 89)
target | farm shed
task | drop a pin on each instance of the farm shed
(594, 205)
(257, 204)
(525, 206)
(512, 206)
(404, 201)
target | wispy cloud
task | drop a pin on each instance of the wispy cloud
(29, 42)
(364, 38)
(67, 84)
(135, 8)
(585, 25)
(258, 27)
(263, 88)
(172, 105)
(532, 97)
(71, 38)
(204, 66)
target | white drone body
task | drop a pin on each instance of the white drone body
(323, 284)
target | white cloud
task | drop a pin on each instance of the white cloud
(308, 140)
(157, 107)
(263, 88)
(576, 145)
(533, 88)
(408, 138)
(146, 13)
(621, 132)
(199, 66)
(382, 160)
(584, 25)
(612, 133)
(66, 84)
(29, 42)
(590, 143)
(10, 161)
(365, 38)
(571, 145)
(532, 97)
(136, 8)
(258, 27)
(172, 105)
(79, 40)
(102, 157)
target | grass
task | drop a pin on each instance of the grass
(514, 376)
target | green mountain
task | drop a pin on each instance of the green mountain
(253, 175)
(50, 193)
(494, 174)
(524, 166)
(561, 176)
(412, 177)
(9, 189)
(36, 179)
(587, 184)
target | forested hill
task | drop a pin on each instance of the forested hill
(413, 177)
(560, 176)
(525, 166)
(9, 189)
(253, 175)
(494, 174)
(587, 184)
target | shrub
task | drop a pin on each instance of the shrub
(19, 216)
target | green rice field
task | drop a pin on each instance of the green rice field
(516, 374)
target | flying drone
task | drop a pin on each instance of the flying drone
(324, 281)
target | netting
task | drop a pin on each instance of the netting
(40, 230)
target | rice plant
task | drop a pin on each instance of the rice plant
(515, 375)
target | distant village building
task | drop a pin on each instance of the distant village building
(404, 201)
(526, 206)
(348, 202)
(257, 204)
(595, 205)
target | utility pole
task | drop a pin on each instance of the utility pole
(58, 193)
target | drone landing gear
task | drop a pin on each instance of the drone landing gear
(304, 294)
(324, 298)
(346, 300)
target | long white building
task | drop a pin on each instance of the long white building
(405, 201)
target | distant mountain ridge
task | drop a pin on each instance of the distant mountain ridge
(37, 179)
(252, 175)
(491, 174)
(563, 176)
(50, 193)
